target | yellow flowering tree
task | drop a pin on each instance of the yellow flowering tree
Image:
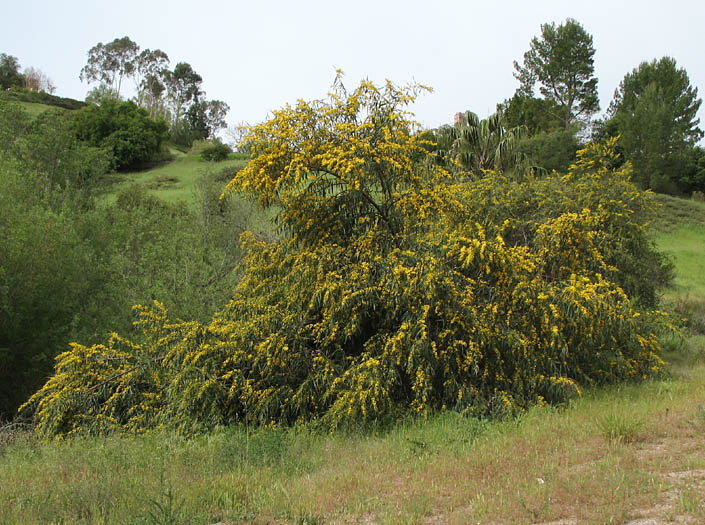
(393, 289)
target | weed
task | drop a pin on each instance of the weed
(690, 501)
(619, 428)
(13, 432)
(539, 510)
(701, 414)
(692, 311)
(308, 519)
(166, 508)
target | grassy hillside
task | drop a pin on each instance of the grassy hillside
(680, 232)
(173, 181)
(36, 97)
(617, 455)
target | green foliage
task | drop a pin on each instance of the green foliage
(46, 281)
(39, 97)
(123, 129)
(619, 428)
(45, 149)
(102, 92)
(654, 110)
(156, 250)
(476, 145)
(110, 63)
(551, 150)
(10, 75)
(47, 273)
(561, 62)
(70, 270)
(216, 151)
(206, 117)
(184, 86)
(396, 290)
(692, 177)
(536, 114)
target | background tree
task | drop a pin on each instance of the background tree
(110, 63)
(101, 93)
(149, 76)
(71, 268)
(536, 114)
(49, 282)
(183, 87)
(36, 80)
(654, 109)
(206, 117)
(561, 62)
(10, 72)
(479, 145)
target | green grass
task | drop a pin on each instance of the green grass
(685, 244)
(620, 453)
(676, 213)
(34, 109)
(174, 181)
(548, 465)
(680, 232)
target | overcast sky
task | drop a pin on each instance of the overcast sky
(259, 55)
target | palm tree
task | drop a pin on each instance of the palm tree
(479, 145)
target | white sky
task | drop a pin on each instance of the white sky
(257, 56)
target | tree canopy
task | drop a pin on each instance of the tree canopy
(561, 61)
(9, 72)
(175, 96)
(654, 109)
(110, 63)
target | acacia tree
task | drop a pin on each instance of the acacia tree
(654, 109)
(110, 63)
(561, 62)
(391, 290)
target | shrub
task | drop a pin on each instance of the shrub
(125, 130)
(47, 279)
(394, 289)
(216, 152)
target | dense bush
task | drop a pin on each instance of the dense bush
(216, 152)
(48, 277)
(395, 289)
(125, 130)
(71, 270)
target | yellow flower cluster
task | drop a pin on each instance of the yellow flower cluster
(398, 289)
